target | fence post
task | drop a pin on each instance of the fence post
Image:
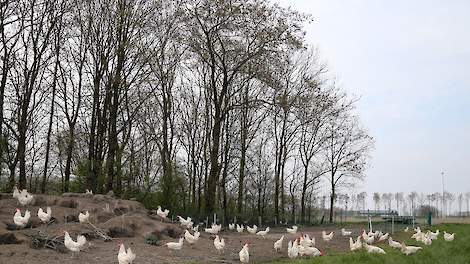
(393, 224)
(215, 218)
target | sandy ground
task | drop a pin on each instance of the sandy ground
(261, 250)
(131, 216)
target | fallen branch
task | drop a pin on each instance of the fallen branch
(100, 233)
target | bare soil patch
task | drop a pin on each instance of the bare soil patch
(130, 222)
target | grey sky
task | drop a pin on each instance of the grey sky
(410, 63)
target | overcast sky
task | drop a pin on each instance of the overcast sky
(410, 63)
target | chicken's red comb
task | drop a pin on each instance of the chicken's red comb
(321, 253)
(17, 209)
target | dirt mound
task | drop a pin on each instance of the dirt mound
(115, 217)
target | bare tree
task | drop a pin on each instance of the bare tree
(449, 199)
(460, 199)
(226, 37)
(10, 32)
(361, 197)
(467, 196)
(412, 198)
(346, 153)
(38, 20)
(398, 199)
(376, 198)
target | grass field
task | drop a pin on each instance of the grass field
(455, 252)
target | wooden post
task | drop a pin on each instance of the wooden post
(393, 224)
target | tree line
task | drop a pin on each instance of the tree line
(440, 204)
(200, 106)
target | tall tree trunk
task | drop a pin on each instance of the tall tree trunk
(241, 179)
(214, 161)
(243, 138)
(92, 174)
(68, 161)
(332, 199)
(51, 116)
(304, 192)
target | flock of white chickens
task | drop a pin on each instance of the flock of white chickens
(301, 246)
(369, 238)
(24, 199)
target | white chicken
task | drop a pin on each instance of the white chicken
(353, 246)
(394, 244)
(162, 213)
(219, 243)
(214, 230)
(345, 233)
(292, 249)
(184, 222)
(125, 257)
(449, 237)
(16, 192)
(25, 198)
(263, 233)
(426, 240)
(417, 229)
(309, 251)
(252, 230)
(83, 217)
(278, 244)
(327, 237)
(73, 246)
(364, 234)
(374, 234)
(406, 229)
(45, 217)
(19, 220)
(231, 226)
(244, 254)
(190, 225)
(373, 249)
(369, 239)
(175, 245)
(408, 250)
(418, 235)
(191, 239)
(292, 230)
(196, 228)
(433, 235)
(88, 192)
(306, 241)
(240, 228)
(383, 237)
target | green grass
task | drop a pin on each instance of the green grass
(455, 252)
